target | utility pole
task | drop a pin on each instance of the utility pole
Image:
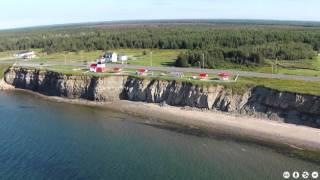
(151, 58)
(276, 65)
(65, 59)
(203, 60)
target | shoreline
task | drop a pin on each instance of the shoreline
(260, 131)
(5, 86)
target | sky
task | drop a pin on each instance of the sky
(26, 13)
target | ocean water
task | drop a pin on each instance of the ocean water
(40, 139)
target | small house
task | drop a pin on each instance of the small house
(111, 57)
(93, 67)
(117, 70)
(142, 72)
(203, 76)
(98, 68)
(224, 76)
(25, 54)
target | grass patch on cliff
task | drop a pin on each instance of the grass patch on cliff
(236, 88)
(3, 68)
(293, 86)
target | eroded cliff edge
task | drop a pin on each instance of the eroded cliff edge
(257, 101)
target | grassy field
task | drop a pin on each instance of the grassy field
(167, 58)
(309, 67)
(136, 56)
(3, 68)
(159, 57)
(295, 86)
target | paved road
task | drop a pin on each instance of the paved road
(185, 70)
(216, 71)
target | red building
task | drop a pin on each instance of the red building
(117, 70)
(224, 76)
(142, 72)
(203, 75)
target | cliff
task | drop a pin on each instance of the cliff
(258, 102)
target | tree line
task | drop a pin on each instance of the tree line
(243, 45)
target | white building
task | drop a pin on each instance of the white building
(123, 58)
(111, 57)
(25, 54)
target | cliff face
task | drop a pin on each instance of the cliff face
(183, 94)
(56, 84)
(258, 102)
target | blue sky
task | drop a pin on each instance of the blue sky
(23, 13)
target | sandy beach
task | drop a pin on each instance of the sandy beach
(299, 137)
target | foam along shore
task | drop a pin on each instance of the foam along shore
(236, 126)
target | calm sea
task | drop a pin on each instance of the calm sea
(40, 139)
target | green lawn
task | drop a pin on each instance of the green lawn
(308, 67)
(294, 86)
(136, 56)
(3, 68)
(159, 57)
(6, 54)
(168, 57)
(69, 56)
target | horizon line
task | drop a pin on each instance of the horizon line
(128, 21)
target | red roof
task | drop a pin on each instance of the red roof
(203, 75)
(142, 70)
(100, 69)
(93, 65)
(223, 74)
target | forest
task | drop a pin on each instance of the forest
(234, 43)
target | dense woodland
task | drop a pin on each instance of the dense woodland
(234, 44)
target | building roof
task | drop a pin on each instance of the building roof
(142, 70)
(203, 74)
(224, 74)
